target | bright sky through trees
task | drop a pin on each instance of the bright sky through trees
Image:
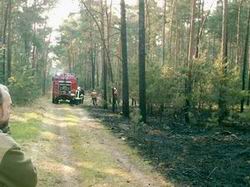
(65, 7)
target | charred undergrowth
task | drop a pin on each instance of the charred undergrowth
(196, 156)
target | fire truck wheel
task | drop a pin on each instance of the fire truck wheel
(72, 102)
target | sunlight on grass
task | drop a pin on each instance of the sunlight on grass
(51, 172)
(107, 169)
(48, 136)
(97, 165)
(25, 131)
(25, 126)
(32, 115)
(117, 172)
(56, 167)
(50, 116)
(94, 163)
(71, 118)
(23, 115)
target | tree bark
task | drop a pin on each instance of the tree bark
(4, 40)
(164, 32)
(245, 62)
(173, 10)
(97, 70)
(148, 31)
(238, 33)
(142, 54)
(223, 111)
(104, 62)
(45, 63)
(125, 83)
(93, 64)
(109, 21)
(199, 33)
(189, 62)
(9, 43)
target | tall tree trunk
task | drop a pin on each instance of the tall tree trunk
(104, 61)
(142, 81)
(45, 62)
(147, 30)
(214, 43)
(177, 47)
(238, 33)
(69, 59)
(92, 57)
(2, 6)
(125, 83)
(191, 36)
(109, 22)
(33, 62)
(245, 62)
(173, 10)
(93, 64)
(164, 32)
(34, 48)
(9, 43)
(223, 111)
(189, 62)
(201, 18)
(97, 70)
(4, 40)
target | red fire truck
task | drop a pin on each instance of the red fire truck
(64, 88)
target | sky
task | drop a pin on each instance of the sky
(65, 7)
(61, 12)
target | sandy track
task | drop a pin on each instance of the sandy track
(77, 150)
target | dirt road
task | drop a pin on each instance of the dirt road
(74, 149)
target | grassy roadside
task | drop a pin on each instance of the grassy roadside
(104, 160)
(25, 124)
(77, 146)
(96, 166)
(31, 133)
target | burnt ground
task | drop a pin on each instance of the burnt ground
(188, 156)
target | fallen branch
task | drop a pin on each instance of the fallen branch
(208, 177)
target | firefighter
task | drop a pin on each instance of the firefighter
(15, 168)
(79, 95)
(94, 97)
(115, 98)
(82, 93)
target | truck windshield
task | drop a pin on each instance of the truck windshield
(64, 88)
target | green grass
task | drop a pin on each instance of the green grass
(27, 129)
(96, 165)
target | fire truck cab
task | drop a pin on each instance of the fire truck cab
(64, 88)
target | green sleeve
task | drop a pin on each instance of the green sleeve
(16, 170)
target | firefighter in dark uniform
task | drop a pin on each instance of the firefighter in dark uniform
(115, 99)
(16, 170)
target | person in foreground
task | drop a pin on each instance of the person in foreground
(16, 170)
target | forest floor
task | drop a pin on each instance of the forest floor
(70, 148)
(89, 146)
(185, 155)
